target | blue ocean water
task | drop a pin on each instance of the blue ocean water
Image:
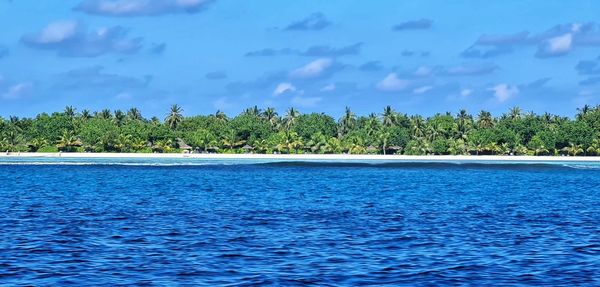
(226, 223)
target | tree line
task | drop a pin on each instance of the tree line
(266, 131)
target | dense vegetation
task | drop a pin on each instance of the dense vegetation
(264, 131)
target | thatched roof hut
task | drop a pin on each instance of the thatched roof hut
(182, 145)
(247, 148)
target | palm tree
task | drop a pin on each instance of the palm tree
(417, 126)
(105, 114)
(134, 114)
(290, 117)
(119, 117)
(270, 115)
(37, 143)
(220, 115)
(464, 123)
(317, 142)
(389, 116)
(583, 111)
(384, 137)
(85, 114)
(355, 145)
(67, 141)
(124, 142)
(485, 120)
(261, 146)
(155, 121)
(574, 149)
(139, 144)
(347, 122)
(174, 117)
(594, 148)
(253, 111)
(372, 124)
(69, 112)
(294, 142)
(333, 145)
(515, 113)
(12, 139)
(231, 140)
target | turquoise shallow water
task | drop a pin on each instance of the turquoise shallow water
(175, 222)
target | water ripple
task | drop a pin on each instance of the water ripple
(298, 225)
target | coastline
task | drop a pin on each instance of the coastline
(311, 157)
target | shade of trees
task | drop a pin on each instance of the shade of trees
(268, 131)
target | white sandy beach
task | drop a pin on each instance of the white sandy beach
(313, 157)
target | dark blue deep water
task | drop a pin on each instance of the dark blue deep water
(299, 224)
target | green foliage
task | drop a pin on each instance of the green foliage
(48, 149)
(440, 146)
(265, 131)
(309, 124)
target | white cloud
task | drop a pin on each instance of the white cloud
(313, 69)
(73, 39)
(328, 88)
(283, 88)
(305, 101)
(503, 92)
(422, 90)
(140, 7)
(392, 83)
(466, 92)
(124, 96)
(57, 32)
(16, 91)
(423, 71)
(560, 45)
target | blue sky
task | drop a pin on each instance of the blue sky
(417, 56)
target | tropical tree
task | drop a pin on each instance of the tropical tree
(231, 140)
(37, 143)
(389, 116)
(270, 115)
(67, 142)
(134, 114)
(69, 112)
(105, 114)
(174, 117)
(290, 118)
(347, 122)
(485, 120)
(515, 113)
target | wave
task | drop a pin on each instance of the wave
(583, 166)
(312, 163)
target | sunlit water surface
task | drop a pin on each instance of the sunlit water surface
(212, 223)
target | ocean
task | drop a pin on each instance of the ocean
(118, 222)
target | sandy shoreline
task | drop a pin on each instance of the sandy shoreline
(311, 157)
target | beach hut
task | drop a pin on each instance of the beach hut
(156, 148)
(371, 149)
(183, 146)
(247, 148)
(393, 149)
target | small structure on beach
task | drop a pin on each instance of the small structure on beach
(248, 148)
(393, 149)
(371, 149)
(183, 146)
